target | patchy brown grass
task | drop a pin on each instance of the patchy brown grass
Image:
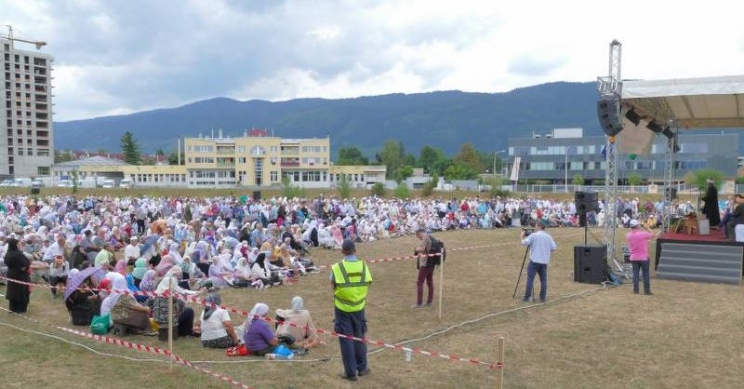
(685, 336)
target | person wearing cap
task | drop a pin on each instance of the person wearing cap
(638, 238)
(541, 245)
(350, 279)
(710, 209)
(425, 266)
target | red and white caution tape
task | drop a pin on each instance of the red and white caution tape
(154, 350)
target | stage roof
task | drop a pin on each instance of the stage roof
(694, 102)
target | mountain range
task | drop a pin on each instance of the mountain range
(445, 120)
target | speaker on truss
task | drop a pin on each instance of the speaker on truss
(608, 116)
(674, 192)
(585, 202)
(633, 116)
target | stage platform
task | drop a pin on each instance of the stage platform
(701, 258)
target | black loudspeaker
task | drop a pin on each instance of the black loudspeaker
(585, 202)
(590, 262)
(35, 191)
(608, 117)
(257, 195)
(674, 192)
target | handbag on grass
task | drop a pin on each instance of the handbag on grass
(239, 350)
(99, 325)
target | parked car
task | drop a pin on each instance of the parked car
(37, 184)
(108, 184)
(7, 183)
(64, 184)
(125, 183)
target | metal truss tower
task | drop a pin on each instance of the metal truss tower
(610, 88)
(669, 162)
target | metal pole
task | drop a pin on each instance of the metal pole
(494, 166)
(565, 181)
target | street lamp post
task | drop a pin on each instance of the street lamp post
(565, 168)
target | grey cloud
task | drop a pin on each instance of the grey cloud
(144, 54)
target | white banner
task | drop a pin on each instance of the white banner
(515, 169)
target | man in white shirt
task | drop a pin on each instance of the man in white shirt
(132, 251)
(56, 248)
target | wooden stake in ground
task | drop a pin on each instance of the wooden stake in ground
(441, 285)
(500, 362)
(170, 321)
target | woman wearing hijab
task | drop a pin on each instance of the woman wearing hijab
(126, 313)
(140, 268)
(297, 326)
(82, 303)
(148, 283)
(183, 316)
(258, 336)
(18, 265)
(217, 331)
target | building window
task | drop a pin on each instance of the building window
(274, 176)
(43, 170)
(258, 150)
(241, 149)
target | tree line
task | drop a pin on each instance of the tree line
(467, 164)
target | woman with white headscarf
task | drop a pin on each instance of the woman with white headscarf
(258, 336)
(175, 254)
(183, 316)
(126, 313)
(297, 329)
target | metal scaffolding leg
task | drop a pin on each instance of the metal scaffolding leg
(669, 161)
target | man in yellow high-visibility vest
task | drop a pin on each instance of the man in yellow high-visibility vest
(350, 279)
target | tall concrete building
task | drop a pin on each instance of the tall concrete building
(26, 133)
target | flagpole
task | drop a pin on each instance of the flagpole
(565, 168)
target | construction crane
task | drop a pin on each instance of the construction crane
(11, 38)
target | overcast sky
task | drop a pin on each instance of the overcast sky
(118, 57)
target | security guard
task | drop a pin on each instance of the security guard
(350, 279)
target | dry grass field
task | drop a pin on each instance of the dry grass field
(684, 336)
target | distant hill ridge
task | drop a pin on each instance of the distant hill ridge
(444, 119)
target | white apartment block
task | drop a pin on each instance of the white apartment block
(26, 134)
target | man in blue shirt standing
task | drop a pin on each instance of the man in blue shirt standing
(540, 245)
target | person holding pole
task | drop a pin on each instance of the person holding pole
(350, 279)
(425, 266)
(541, 245)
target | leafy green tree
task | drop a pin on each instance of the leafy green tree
(578, 179)
(392, 156)
(351, 156)
(131, 149)
(75, 180)
(460, 171)
(402, 173)
(634, 179)
(344, 187)
(699, 178)
(429, 157)
(160, 152)
(402, 191)
(378, 189)
(173, 158)
(430, 185)
(468, 155)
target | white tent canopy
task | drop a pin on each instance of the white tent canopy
(694, 102)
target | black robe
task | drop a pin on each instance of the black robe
(710, 209)
(17, 294)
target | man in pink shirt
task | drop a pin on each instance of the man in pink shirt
(638, 240)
